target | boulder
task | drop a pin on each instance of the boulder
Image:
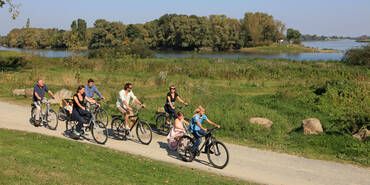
(362, 134)
(161, 109)
(60, 95)
(29, 92)
(262, 121)
(312, 126)
(19, 92)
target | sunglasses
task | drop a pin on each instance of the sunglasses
(173, 88)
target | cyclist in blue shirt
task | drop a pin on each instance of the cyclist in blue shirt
(197, 129)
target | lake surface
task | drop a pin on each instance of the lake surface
(341, 45)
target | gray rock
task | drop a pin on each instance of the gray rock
(312, 126)
(261, 121)
(29, 92)
(19, 92)
(362, 134)
(60, 95)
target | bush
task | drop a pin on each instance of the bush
(359, 56)
(345, 103)
(12, 62)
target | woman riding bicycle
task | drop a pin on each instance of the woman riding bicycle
(79, 109)
(196, 127)
(169, 107)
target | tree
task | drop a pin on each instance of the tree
(81, 30)
(293, 35)
(13, 8)
(28, 23)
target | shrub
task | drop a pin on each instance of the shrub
(358, 56)
(12, 62)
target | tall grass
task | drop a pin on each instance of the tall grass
(228, 89)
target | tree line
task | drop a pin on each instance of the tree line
(170, 31)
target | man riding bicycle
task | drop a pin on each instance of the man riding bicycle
(123, 102)
(91, 90)
(197, 129)
(38, 94)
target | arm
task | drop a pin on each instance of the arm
(78, 102)
(212, 123)
(91, 100)
(201, 126)
(187, 123)
(181, 100)
(98, 92)
(51, 93)
(138, 101)
(37, 96)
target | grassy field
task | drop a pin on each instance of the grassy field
(27, 158)
(233, 91)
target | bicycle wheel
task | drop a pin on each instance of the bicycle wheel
(218, 155)
(102, 115)
(62, 115)
(183, 148)
(52, 119)
(71, 125)
(161, 123)
(144, 132)
(99, 132)
(117, 126)
(33, 114)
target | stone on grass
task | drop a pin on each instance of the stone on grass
(29, 92)
(262, 121)
(312, 126)
(60, 95)
(362, 134)
(19, 92)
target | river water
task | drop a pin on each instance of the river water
(341, 45)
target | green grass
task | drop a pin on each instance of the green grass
(28, 158)
(232, 90)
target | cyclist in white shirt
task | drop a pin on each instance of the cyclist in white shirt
(123, 102)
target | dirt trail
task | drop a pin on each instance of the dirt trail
(245, 163)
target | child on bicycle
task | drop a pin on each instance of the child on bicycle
(178, 129)
(197, 129)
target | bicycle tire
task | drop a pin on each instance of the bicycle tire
(161, 122)
(214, 150)
(102, 115)
(183, 148)
(116, 125)
(55, 119)
(62, 115)
(143, 129)
(33, 114)
(99, 132)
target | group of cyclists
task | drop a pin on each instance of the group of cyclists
(83, 98)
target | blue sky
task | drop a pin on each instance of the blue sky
(328, 17)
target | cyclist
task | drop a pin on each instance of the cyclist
(79, 109)
(197, 129)
(169, 107)
(91, 90)
(178, 130)
(123, 102)
(38, 94)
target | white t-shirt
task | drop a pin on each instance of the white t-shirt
(123, 97)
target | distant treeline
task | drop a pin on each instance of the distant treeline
(308, 37)
(171, 31)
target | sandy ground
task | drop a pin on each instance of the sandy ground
(245, 163)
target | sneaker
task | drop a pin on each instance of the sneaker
(75, 134)
(37, 123)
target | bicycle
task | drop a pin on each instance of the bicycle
(173, 143)
(99, 112)
(64, 114)
(98, 129)
(161, 121)
(143, 129)
(49, 118)
(213, 148)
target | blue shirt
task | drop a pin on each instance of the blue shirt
(91, 91)
(40, 91)
(196, 118)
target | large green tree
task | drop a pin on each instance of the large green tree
(293, 36)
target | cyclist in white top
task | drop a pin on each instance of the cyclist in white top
(123, 103)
